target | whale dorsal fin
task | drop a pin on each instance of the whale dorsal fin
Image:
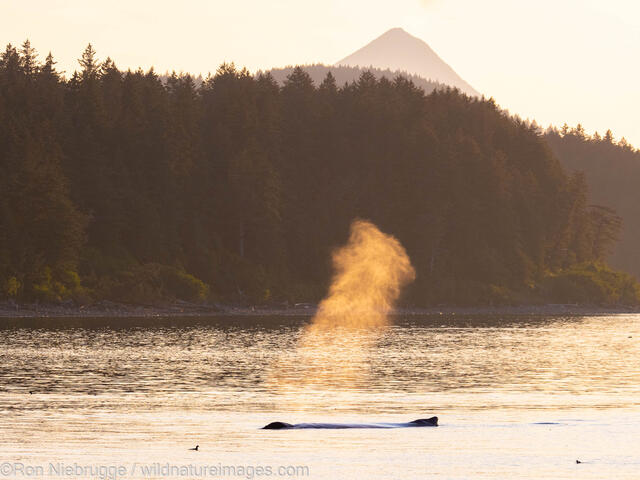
(426, 421)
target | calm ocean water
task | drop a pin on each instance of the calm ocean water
(516, 398)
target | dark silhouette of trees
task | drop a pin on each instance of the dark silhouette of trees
(42, 231)
(135, 187)
(611, 170)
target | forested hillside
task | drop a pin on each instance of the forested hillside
(612, 171)
(347, 74)
(115, 185)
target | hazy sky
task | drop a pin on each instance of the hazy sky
(552, 60)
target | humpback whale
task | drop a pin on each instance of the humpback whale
(421, 422)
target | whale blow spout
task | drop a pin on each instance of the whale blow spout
(421, 422)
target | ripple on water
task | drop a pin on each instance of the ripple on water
(555, 386)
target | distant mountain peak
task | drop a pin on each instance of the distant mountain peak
(398, 50)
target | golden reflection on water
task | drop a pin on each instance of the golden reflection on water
(223, 364)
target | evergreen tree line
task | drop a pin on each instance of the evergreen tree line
(612, 172)
(348, 74)
(130, 187)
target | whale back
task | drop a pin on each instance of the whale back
(343, 425)
(421, 422)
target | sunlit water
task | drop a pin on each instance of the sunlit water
(516, 398)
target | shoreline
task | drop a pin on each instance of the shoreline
(106, 309)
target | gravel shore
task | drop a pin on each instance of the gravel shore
(185, 309)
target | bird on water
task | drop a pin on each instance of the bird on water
(195, 448)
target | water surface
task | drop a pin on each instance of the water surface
(517, 397)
